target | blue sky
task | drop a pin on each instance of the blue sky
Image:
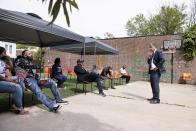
(94, 17)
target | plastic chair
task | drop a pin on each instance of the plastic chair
(186, 76)
(69, 72)
(117, 76)
(50, 72)
(99, 72)
(84, 85)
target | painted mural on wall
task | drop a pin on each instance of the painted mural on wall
(140, 70)
(100, 60)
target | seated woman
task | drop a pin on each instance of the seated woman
(8, 85)
(57, 73)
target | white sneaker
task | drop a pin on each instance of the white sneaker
(56, 108)
(62, 102)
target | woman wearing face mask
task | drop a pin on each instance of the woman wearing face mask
(10, 86)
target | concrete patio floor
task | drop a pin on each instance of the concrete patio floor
(124, 109)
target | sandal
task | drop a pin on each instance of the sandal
(23, 112)
(14, 109)
(17, 110)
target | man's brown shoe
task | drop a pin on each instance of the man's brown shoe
(150, 99)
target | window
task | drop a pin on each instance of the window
(10, 49)
(6, 47)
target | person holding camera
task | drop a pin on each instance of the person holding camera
(24, 69)
(9, 85)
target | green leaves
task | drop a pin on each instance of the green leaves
(50, 6)
(169, 20)
(189, 43)
(172, 19)
(37, 56)
(108, 35)
(72, 3)
(137, 26)
(66, 13)
(26, 47)
(54, 10)
(21, 46)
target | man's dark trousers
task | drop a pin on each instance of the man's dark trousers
(154, 80)
(127, 78)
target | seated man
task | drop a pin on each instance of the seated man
(24, 69)
(105, 72)
(10, 86)
(124, 74)
(83, 75)
(57, 73)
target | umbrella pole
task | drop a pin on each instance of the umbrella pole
(48, 56)
(81, 54)
(118, 62)
(40, 40)
(48, 60)
(84, 52)
(95, 56)
(41, 61)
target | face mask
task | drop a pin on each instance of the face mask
(4, 58)
(30, 58)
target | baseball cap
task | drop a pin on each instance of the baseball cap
(80, 60)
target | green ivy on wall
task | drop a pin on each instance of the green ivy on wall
(189, 43)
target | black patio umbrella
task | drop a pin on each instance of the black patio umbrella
(31, 30)
(91, 47)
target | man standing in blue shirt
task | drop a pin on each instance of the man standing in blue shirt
(57, 73)
(156, 68)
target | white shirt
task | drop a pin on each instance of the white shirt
(153, 66)
(122, 71)
(2, 68)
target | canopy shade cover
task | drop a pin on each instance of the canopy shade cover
(92, 47)
(26, 29)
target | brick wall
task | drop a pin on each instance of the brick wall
(133, 53)
(68, 60)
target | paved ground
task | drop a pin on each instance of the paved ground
(124, 109)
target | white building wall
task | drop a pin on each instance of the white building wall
(10, 48)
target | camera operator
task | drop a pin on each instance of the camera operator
(24, 69)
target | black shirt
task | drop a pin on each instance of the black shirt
(106, 71)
